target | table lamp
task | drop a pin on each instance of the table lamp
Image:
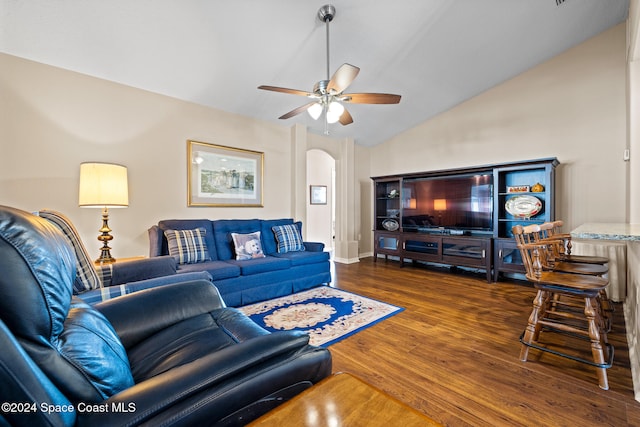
(440, 205)
(103, 185)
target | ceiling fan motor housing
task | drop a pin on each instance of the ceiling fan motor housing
(320, 88)
(327, 13)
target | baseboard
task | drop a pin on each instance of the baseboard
(365, 255)
(346, 260)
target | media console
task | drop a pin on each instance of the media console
(462, 217)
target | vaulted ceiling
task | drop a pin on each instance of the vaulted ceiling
(435, 53)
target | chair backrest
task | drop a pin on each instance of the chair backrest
(532, 252)
(72, 343)
(87, 277)
(21, 380)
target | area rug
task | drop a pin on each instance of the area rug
(327, 314)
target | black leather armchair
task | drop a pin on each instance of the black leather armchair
(172, 355)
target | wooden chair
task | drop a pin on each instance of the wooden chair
(564, 250)
(555, 254)
(551, 314)
(558, 260)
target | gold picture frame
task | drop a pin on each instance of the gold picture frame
(224, 176)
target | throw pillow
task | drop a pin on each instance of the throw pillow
(248, 246)
(289, 238)
(187, 246)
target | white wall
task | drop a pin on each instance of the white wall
(52, 120)
(572, 107)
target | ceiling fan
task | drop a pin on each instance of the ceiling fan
(328, 95)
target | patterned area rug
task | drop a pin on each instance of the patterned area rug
(327, 314)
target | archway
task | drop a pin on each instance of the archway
(321, 212)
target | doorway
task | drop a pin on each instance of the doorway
(321, 216)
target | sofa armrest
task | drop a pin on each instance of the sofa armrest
(314, 246)
(95, 296)
(202, 391)
(155, 241)
(139, 269)
(171, 304)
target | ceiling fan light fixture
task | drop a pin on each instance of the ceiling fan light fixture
(336, 108)
(334, 111)
(315, 111)
(328, 94)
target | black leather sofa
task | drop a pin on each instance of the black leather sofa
(171, 355)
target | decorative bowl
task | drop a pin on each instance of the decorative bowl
(390, 224)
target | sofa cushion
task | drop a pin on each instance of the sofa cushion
(191, 339)
(261, 265)
(223, 228)
(187, 246)
(217, 269)
(247, 246)
(189, 224)
(289, 238)
(304, 257)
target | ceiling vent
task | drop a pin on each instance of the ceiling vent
(559, 2)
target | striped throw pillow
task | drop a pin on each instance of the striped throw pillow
(289, 238)
(187, 246)
(87, 278)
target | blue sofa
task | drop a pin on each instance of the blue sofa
(242, 282)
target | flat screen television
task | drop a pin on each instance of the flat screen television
(457, 202)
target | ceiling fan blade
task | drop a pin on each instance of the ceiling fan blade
(370, 98)
(342, 78)
(345, 118)
(296, 111)
(287, 90)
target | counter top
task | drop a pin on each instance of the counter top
(607, 231)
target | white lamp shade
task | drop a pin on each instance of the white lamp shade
(440, 204)
(103, 185)
(334, 112)
(315, 110)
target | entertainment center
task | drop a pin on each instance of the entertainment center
(462, 217)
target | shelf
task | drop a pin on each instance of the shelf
(532, 220)
(528, 193)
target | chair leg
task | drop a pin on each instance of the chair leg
(532, 331)
(596, 342)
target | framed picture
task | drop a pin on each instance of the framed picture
(318, 194)
(223, 176)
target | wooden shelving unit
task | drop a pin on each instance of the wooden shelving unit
(493, 251)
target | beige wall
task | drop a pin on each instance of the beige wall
(52, 120)
(572, 107)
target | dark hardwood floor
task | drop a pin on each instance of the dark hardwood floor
(453, 353)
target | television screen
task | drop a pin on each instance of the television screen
(462, 202)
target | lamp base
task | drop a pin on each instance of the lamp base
(105, 237)
(105, 256)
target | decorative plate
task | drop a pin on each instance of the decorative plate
(390, 224)
(523, 206)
